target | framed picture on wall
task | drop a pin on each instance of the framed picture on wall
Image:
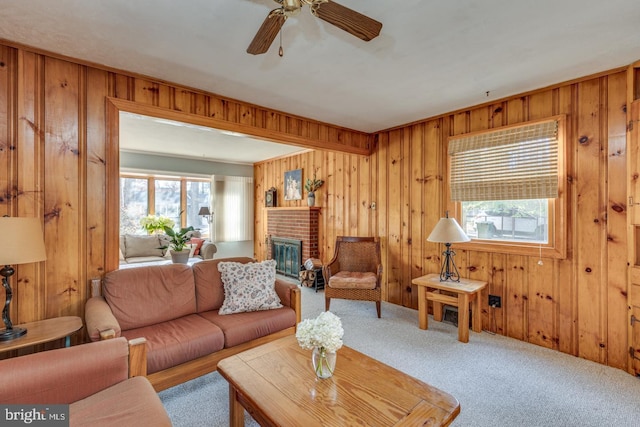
(293, 185)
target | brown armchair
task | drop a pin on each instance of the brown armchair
(103, 383)
(355, 272)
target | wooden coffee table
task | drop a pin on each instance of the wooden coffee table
(276, 384)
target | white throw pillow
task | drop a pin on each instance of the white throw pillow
(248, 286)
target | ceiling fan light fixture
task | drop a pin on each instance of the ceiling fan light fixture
(291, 7)
(346, 19)
(314, 5)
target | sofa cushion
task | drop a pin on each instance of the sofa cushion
(249, 286)
(142, 246)
(133, 402)
(242, 327)
(148, 295)
(177, 341)
(209, 288)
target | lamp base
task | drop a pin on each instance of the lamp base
(449, 271)
(11, 334)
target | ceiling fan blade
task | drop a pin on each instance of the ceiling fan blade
(349, 20)
(266, 33)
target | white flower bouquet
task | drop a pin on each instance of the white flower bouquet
(324, 332)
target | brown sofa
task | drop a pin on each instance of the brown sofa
(103, 383)
(175, 308)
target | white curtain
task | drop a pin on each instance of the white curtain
(232, 200)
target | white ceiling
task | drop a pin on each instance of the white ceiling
(432, 56)
(177, 139)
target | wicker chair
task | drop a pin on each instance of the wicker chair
(355, 271)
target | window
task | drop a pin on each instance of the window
(134, 204)
(178, 198)
(198, 196)
(506, 184)
(167, 199)
(523, 220)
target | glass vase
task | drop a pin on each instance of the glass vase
(324, 362)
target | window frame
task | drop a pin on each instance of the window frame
(556, 246)
(151, 179)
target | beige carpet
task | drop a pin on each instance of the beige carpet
(499, 381)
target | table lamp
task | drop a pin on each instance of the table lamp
(205, 212)
(22, 243)
(448, 231)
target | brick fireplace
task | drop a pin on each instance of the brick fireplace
(299, 223)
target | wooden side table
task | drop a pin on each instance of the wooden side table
(466, 290)
(44, 331)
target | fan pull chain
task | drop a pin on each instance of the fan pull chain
(281, 51)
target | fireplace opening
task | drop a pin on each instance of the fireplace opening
(288, 255)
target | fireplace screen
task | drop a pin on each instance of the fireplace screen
(288, 255)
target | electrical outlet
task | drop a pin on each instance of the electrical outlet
(495, 301)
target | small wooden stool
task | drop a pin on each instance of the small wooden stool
(467, 292)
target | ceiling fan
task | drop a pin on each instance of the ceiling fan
(342, 17)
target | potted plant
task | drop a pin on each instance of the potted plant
(178, 244)
(155, 223)
(311, 185)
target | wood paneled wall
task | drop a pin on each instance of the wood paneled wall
(576, 305)
(56, 150)
(59, 161)
(345, 199)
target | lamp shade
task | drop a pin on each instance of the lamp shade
(22, 241)
(204, 211)
(447, 230)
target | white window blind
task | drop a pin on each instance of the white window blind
(510, 164)
(233, 208)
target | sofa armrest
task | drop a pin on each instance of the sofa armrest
(64, 375)
(289, 295)
(207, 250)
(101, 323)
(138, 357)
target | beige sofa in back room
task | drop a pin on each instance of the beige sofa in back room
(136, 250)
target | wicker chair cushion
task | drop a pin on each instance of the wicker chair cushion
(353, 280)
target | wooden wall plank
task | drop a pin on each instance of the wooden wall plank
(8, 70)
(616, 215)
(364, 221)
(567, 286)
(493, 319)
(515, 303)
(541, 304)
(28, 193)
(589, 221)
(352, 197)
(96, 157)
(405, 218)
(382, 206)
(394, 213)
(417, 196)
(433, 191)
(63, 182)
